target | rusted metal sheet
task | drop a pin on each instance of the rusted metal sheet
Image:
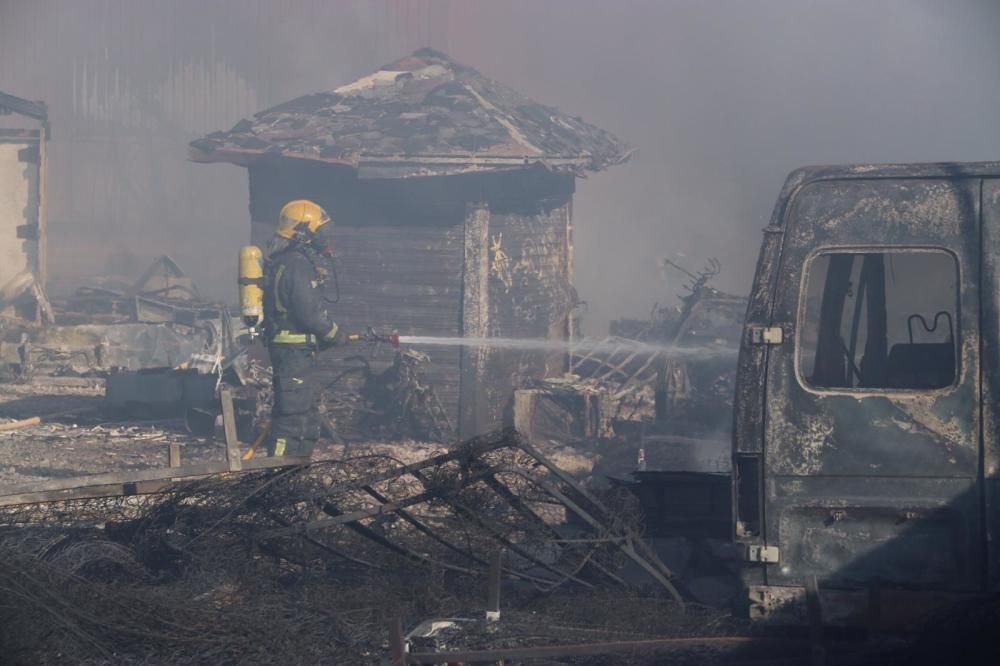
(877, 476)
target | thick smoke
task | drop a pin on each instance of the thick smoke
(722, 98)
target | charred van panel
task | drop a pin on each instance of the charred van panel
(862, 392)
(991, 379)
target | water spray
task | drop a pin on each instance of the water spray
(585, 345)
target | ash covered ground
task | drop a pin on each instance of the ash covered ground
(186, 576)
(240, 568)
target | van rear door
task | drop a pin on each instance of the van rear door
(991, 373)
(872, 414)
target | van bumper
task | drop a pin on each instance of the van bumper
(874, 608)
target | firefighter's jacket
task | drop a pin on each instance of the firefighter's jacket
(294, 305)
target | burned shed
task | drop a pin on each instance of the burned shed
(452, 199)
(23, 130)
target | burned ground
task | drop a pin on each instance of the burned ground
(302, 562)
(240, 568)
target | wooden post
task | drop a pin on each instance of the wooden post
(397, 644)
(175, 455)
(229, 424)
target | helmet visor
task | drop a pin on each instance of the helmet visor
(323, 238)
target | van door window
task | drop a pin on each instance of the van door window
(880, 320)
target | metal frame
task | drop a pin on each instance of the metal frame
(561, 488)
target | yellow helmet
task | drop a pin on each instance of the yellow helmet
(300, 217)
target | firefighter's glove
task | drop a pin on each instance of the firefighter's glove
(332, 339)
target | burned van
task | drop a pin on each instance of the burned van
(866, 451)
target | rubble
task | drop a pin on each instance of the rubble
(229, 569)
(159, 321)
(93, 349)
(395, 404)
(645, 407)
(163, 294)
(574, 410)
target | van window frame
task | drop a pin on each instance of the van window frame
(800, 320)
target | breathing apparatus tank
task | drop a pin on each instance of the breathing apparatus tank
(252, 288)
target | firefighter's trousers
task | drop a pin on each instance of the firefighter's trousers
(294, 427)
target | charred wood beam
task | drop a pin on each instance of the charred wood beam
(138, 482)
(133, 482)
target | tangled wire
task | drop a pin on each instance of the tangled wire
(309, 563)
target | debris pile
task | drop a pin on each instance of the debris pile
(314, 562)
(159, 321)
(622, 388)
(163, 294)
(395, 404)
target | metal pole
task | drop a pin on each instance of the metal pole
(493, 595)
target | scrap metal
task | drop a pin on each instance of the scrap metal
(498, 470)
(163, 294)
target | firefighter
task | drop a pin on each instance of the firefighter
(298, 323)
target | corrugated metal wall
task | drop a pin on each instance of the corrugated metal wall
(130, 82)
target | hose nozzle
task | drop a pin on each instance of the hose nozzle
(374, 338)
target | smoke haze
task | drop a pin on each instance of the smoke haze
(721, 99)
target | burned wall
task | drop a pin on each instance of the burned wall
(405, 263)
(519, 258)
(529, 295)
